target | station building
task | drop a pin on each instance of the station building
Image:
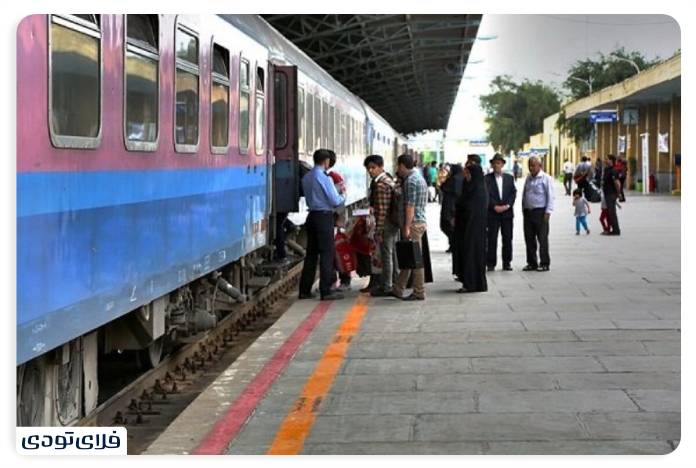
(647, 127)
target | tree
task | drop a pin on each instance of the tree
(604, 72)
(515, 111)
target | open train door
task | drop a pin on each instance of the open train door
(286, 183)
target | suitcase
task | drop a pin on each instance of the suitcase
(409, 255)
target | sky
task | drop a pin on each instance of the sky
(544, 47)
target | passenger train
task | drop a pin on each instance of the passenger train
(153, 154)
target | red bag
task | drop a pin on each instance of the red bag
(359, 240)
(345, 255)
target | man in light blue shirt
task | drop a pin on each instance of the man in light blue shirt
(321, 198)
(537, 206)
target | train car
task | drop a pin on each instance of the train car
(380, 138)
(153, 154)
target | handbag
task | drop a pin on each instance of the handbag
(592, 192)
(409, 255)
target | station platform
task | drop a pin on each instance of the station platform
(583, 359)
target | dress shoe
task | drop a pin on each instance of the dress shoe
(490, 268)
(307, 296)
(334, 296)
(413, 297)
(543, 268)
(529, 268)
(614, 234)
(507, 268)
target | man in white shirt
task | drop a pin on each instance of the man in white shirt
(537, 206)
(501, 199)
(568, 170)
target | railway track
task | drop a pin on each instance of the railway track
(152, 401)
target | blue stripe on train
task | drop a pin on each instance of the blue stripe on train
(80, 269)
(51, 192)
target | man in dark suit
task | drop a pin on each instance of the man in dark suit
(501, 196)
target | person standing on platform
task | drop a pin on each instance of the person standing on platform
(415, 199)
(451, 189)
(386, 221)
(470, 231)
(517, 170)
(582, 209)
(501, 199)
(568, 170)
(537, 206)
(442, 174)
(322, 199)
(339, 216)
(611, 187)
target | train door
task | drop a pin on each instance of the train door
(286, 184)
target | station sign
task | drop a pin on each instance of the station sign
(478, 142)
(602, 116)
(538, 151)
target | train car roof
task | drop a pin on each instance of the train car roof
(284, 51)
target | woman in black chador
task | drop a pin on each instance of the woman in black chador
(451, 188)
(470, 231)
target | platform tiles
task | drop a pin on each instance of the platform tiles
(580, 360)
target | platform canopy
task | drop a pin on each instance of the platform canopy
(406, 67)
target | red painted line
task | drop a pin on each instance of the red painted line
(226, 428)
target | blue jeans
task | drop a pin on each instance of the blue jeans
(580, 221)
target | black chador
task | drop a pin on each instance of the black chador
(470, 232)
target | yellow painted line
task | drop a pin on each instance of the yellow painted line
(296, 426)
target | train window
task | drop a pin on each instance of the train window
(187, 91)
(75, 81)
(260, 128)
(330, 128)
(317, 123)
(220, 100)
(337, 132)
(141, 82)
(244, 90)
(325, 124)
(281, 109)
(309, 124)
(301, 128)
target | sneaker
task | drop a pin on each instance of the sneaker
(543, 268)
(529, 268)
(588, 232)
(577, 233)
(343, 287)
(507, 267)
(306, 296)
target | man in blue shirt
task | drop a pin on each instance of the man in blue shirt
(321, 198)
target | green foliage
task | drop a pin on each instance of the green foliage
(515, 111)
(605, 71)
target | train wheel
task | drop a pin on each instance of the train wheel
(152, 355)
(68, 385)
(31, 385)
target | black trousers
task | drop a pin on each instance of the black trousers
(497, 223)
(612, 217)
(536, 229)
(567, 182)
(320, 246)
